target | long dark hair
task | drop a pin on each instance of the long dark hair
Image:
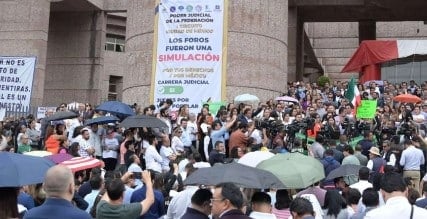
(283, 200)
(9, 202)
(334, 202)
(74, 149)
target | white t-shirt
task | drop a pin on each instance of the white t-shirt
(256, 134)
(261, 215)
(134, 168)
(113, 145)
(416, 117)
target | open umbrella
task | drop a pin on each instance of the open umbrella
(295, 170)
(61, 115)
(378, 82)
(344, 170)
(252, 159)
(18, 170)
(38, 153)
(239, 174)
(244, 98)
(81, 163)
(142, 121)
(59, 158)
(116, 108)
(407, 98)
(102, 120)
(287, 99)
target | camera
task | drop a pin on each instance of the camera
(272, 126)
(363, 126)
(328, 132)
(306, 123)
(406, 130)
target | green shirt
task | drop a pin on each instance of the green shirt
(108, 211)
(24, 148)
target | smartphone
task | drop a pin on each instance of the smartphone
(137, 175)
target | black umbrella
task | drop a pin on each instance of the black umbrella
(239, 174)
(117, 108)
(61, 115)
(344, 170)
(102, 120)
(143, 121)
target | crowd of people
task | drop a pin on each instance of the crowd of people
(144, 168)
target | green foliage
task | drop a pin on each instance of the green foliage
(322, 80)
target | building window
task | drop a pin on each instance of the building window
(115, 44)
(115, 88)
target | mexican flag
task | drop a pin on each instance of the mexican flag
(353, 94)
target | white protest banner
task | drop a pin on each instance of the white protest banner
(16, 82)
(189, 54)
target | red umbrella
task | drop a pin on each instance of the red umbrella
(407, 98)
(81, 163)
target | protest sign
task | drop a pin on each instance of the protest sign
(214, 107)
(189, 54)
(367, 109)
(41, 111)
(16, 82)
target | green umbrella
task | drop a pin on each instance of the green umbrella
(295, 170)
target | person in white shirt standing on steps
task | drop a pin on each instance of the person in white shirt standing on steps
(153, 159)
(397, 206)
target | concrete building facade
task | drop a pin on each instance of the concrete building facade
(97, 50)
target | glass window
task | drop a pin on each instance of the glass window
(115, 44)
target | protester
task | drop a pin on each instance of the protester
(59, 188)
(261, 206)
(370, 199)
(301, 208)
(96, 184)
(9, 203)
(157, 208)
(363, 180)
(411, 160)
(111, 205)
(335, 206)
(227, 200)
(110, 146)
(281, 207)
(200, 205)
(422, 202)
(394, 190)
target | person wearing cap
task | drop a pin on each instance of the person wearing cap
(411, 160)
(376, 163)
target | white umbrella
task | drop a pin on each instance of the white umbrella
(378, 82)
(287, 99)
(38, 153)
(246, 98)
(252, 159)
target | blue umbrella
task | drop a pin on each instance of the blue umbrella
(102, 120)
(116, 108)
(19, 170)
